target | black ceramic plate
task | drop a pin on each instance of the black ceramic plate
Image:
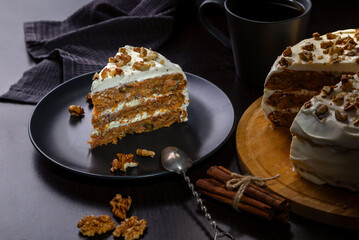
(63, 139)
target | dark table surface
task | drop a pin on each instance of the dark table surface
(39, 200)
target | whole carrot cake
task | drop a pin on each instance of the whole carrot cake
(325, 143)
(302, 70)
(139, 90)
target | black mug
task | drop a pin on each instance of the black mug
(259, 31)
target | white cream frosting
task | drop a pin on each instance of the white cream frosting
(130, 74)
(325, 147)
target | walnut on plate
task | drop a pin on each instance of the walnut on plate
(91, 225)
(120, 205)
(77, 111)
(130, 228)
(145, 153)
(123, 162)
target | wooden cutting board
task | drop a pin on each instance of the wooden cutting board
(264, 151)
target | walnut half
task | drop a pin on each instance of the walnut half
(123, 162)
(91, 225)
(77, 111)
(131, 228)
(120, 205)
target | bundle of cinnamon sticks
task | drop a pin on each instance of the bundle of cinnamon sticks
(255, 200)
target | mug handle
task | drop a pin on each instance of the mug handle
(207, 24)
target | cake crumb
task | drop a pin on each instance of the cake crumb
(145, 153)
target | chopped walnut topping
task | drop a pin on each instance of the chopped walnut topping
(112, 60)
(122, 60)
(339, 98)
(120, 205)
(145, 153)
(95, 76)
(349, 106)
(91, 225)
(356, 34)
(89, 98)
(308, 104)
(320, 57)
(162, 62)
(123, 162)
(115, 71)
(356, 122)
(346, 84)
(77, 111)
(105, 73)
(131, 228)
(341, 117)
(321, 110)
(287, 52)
(335, 58)
(317, 36)
(151, 56)
(141, 66)
(137, 49)
(357, 60)
(305, 56)
(331, 36)
(352, 53)
(326, 44)
(122, 50)
(327, 90)
(339, 41)
(336, 50)
(308, 46)
(143, 52)
(283, 62)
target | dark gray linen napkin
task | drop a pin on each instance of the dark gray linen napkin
(83, 42)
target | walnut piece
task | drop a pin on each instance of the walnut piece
(338, 99)
(120, 205)
(95, 76)
(122, 59)
(306, 56)
(336, 50)
(308, 104)
(327, 90)
(145, 153)
(123, 162)
(141, 66)
(151, 56)
(321, 110)
(326, 44)
(91, 225)
(317, 36)
(89, 98)
(283, 62)
(308, 46)
(356, 122)
(341, 117)
(77, 111)
(130, 228)
(287, 52)
(122, 50)
(346, 84)
(331, 36)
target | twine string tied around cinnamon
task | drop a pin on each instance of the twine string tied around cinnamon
(242, 181)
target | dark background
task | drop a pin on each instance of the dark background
(41, 201)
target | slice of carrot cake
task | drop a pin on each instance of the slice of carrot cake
(139, 90)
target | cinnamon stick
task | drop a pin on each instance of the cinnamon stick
(241, 206)
(223, 175)
(204, 184)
